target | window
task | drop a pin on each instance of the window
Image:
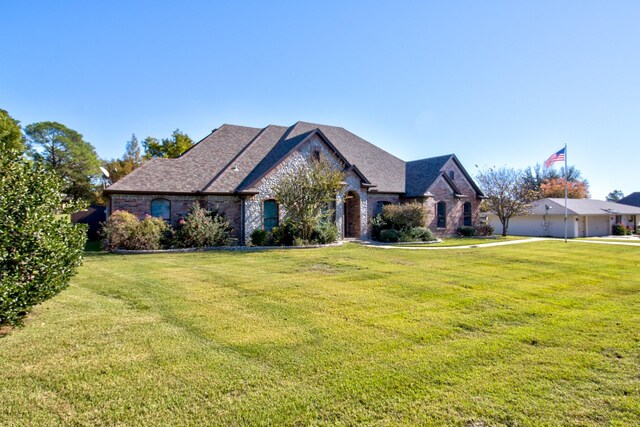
(270, 214)
(442, 215)
(315, 155)
(466, 214)
(379, 206)
(451, 175)
(161, 208)
(618, 219)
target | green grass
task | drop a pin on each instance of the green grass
(464, 241)
(535, 334)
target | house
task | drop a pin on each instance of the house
(632, 199)
(586, 218)
(234, 168)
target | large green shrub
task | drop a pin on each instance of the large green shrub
(389, 235)
(466, 231)
(125, 231)
(39, 248)
(405, 216)
(202, 228)
(259, 237)
(324, 233)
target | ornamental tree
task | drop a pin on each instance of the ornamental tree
(39, 248)
(507, 194)
(555, 188)
(306, 191)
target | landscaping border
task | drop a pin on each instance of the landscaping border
(218, 248)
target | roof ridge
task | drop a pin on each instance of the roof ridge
(235, 158)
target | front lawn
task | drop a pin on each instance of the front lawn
(538, 333)
(464, 241)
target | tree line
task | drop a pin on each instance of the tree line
(66, 153)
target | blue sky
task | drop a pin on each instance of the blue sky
(497, 83)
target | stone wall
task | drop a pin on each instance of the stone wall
(303, 154)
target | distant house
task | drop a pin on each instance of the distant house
(233, 170)
(586, 218)
(632, 199)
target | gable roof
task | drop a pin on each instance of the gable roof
(582, 207)
(233, 158)
(421, 174)
(632, 199)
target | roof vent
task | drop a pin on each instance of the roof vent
(236, 168)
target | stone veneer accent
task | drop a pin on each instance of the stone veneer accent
(253, 204)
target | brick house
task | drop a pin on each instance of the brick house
(233, 170)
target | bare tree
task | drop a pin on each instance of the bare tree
(507, 193)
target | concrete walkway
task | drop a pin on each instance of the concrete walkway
(436, 248)
(489, 245)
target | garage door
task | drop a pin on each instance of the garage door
(598, 226)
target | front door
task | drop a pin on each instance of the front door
(352, 215)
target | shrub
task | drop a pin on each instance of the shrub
(638, 230)
(405, 216)
(484, 230)
(125, 231)
(324, 233)
(466, 231)
(421, 234)
(284, 233)
(259, 237)
(39, 248)
(619, 230)
(377, 225)
(202, 228)
(297, 241)
(390, 235)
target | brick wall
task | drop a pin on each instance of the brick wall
(140, 205)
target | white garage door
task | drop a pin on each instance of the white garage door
(599, 226)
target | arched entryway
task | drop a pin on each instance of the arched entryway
(352, 215)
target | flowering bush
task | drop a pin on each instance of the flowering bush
(125, 231)
(201, 228)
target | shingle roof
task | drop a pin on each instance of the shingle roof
(582, 207)
(421, 174)
(632, 199)
(232, 158)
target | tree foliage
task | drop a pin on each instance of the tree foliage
(119, 168)
(39, 248)
(615, 196)
(63, 151)
(507, 193)
(554, 187)
(170, 147)
(11, 137)
(305, 192)
(545, 182)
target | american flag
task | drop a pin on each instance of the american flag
(555, 157)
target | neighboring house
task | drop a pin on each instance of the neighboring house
(586, 218)
(632, 199)
(233, 170)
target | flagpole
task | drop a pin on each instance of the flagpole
(566, 185)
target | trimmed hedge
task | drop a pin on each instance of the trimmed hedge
(39, 248)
